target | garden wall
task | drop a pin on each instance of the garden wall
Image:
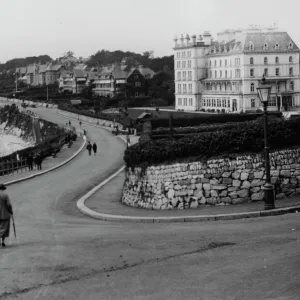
(213, 182)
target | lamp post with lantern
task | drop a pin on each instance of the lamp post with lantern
(264, 91)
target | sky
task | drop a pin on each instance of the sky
(37, 27)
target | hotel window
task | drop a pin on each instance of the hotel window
(210, 74)
(189, 75)
(137, 84)
(179, 101)
(184, 75)
(293, 101)
(220, 63)
(225, 62)
(265, 60)
(228, 102)
(278, 87)
(251, 72)
(220, 74)
(190, 87)
(251, 61)
(178, 75)
(184, 88)
(251, 46)
(184, 64)
(276, 60)
(215, 63)
(215, 74)
(237, 73)
(204, 102)
(290, 46)
(185, 101)
(292, 85)
(277, 46)
(252, 87)
(208, 102)
(225, 74)
(266, 71)
(191, 101)
(252, 102)
(178, 56)
(179, 88)
(178, 65)
(218, 102)
(210, 63)
(214, 102)
(272, 101)
(189, 63)
(223, 102)
(277, 71)
(189, 53)
(183, 54)
(290, 59)
(291, 71)
(265, 46)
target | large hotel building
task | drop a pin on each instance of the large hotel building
(223, 74)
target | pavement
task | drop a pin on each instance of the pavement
(49, 163)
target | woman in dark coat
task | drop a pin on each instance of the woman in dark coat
(5, 214)
(95, 148)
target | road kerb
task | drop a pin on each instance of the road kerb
(49, 170)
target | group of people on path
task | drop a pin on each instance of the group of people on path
(36, 158)
(89, 147)
(6, 212)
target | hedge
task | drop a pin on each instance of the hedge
(205, 119)
(248, 138)
(122, 119)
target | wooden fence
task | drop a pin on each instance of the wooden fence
(13, 165)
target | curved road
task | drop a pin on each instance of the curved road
(61, 254)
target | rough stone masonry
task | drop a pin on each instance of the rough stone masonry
(213, 182)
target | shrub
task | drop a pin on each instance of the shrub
(248, 138)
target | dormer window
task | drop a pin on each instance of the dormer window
(290, 45)
(276, 46)
(265, 46)
(251, 46)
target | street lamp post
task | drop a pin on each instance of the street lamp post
(47, 93)
(264, 91)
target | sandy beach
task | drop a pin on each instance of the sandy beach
(11, 143)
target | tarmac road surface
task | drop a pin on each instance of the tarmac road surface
(61, 254)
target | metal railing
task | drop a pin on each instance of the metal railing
(13, 166)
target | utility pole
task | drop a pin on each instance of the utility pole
(47, 93)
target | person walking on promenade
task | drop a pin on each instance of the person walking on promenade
(69, 123)
(38, 161)
(89, 148)
(5, 214)
(95, 148)
(30, 161)
(80, 123)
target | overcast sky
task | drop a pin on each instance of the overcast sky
(35, 27)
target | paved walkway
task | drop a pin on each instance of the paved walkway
(48, 163)
(107, 201)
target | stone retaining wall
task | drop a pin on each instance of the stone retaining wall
(214, 182)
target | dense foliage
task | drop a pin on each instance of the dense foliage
(244, 139)
(105, 57)
(201, 118)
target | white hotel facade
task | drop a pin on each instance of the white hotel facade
(224, 74)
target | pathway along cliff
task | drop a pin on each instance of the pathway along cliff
(61, 254)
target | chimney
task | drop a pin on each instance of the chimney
(175, 40)
(207, 38)
(194, 39)
(182, 39)
(187, 37)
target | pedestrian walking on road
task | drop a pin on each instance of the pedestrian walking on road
(95, 148)
(89, 148)
(6, 213)
(30, 161)
(69, 123)
(80, 123)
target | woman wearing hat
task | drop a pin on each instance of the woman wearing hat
(5, 214)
